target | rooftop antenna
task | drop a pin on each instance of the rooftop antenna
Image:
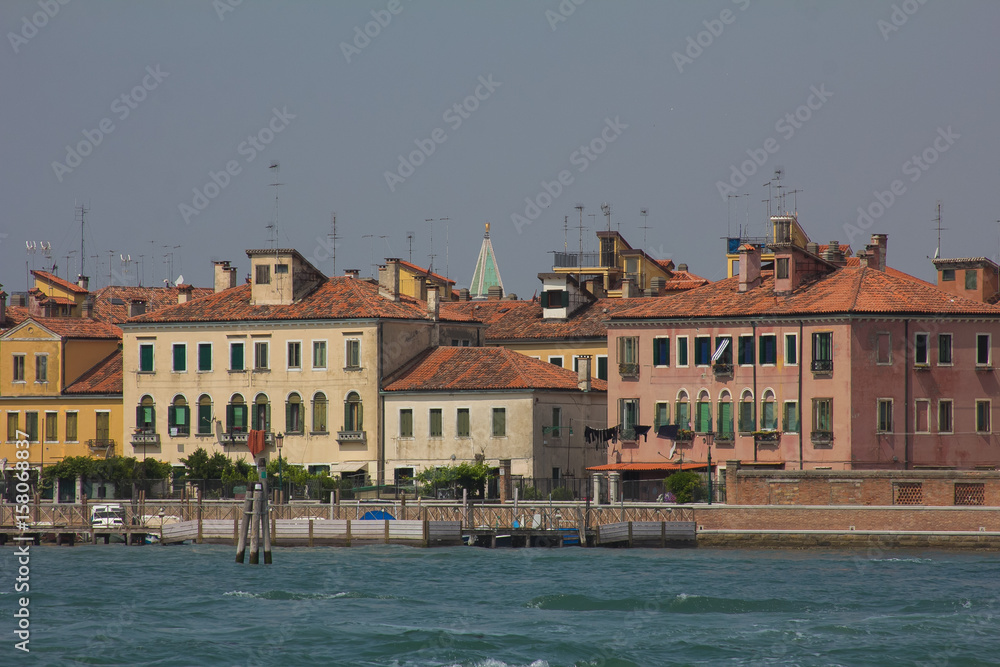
(565, 234)
(778, 173)
(795, 200)
(276, 167)
(68, 255)
(644, 212)
(332, 236)
(373, 237)
(446, 241)
(409, 242)
(111, 256)
(606, 210)
(937, 253)
(729, 215)
(579, 258)
(81, 216)
(29, 247)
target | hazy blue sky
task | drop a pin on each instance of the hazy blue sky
(161, 95)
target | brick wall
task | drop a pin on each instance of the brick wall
(900, 518)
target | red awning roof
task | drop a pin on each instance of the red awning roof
(648, 466)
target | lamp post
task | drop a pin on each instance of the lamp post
(280, 440)
(160, 514)
(708, 440)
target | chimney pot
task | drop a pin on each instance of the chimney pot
(749, 267)
(682, 267)
(583, 373)
(388, 279)
(433, 302)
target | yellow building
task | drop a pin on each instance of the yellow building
(784, 229)
(60, 382)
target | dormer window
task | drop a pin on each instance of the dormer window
(280, 268)
(556, 298)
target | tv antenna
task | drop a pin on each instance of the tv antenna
(729, 214)
(81, 217)
(447, 232)
(606, 210)
(333, 237)
(273, 227)
(937, 253)
(579, 257)
(409, 242)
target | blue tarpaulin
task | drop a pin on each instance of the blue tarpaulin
(378, 515)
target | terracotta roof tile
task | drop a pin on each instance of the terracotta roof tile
(850, 289)
(56, 280)
(14, 315)
(420, 269)
(79, 327)
(482, 368)
(105, 377)
(338, 298)
(155, 298)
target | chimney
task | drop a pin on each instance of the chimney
(19, 300)
(388, 279)
(682, 267)
(627, 291)
(495, 293)
(433, 303)
(812, 248)
(749, 267)
(657, 285)
(184, 293)
(833, 254)
(3, 306)
(877, 248)
(863, 259)
(86, 308)
(136, 307)
(583, 373)
(225, 276)
(83, 281)
(463, 294)
(351, 273)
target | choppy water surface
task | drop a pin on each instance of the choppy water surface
(403, 606)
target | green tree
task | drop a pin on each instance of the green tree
(686, 486)
(470, 476)
(200, 466)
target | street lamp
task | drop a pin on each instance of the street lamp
(708, 440)
(280, 440)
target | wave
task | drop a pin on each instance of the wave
(681, 604)
(286, 595)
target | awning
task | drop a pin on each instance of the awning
(349, 466)
(618, 467)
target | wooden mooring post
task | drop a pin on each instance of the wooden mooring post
(241, 546)
(255, 526)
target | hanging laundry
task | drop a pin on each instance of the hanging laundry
(641, 430)
(255, 441)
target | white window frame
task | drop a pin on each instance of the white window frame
(288, 350)
(211, 356)
(559, 357)
(760, 357)
(878, 415)
(173, 352)
(326, 354)
(24, 368)
(989, 350)
(927, 349)
(244, 344)
(45, 430)
(667, 338)
(468, 409)
(66, 422)
(347, 354)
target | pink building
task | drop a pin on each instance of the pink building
(812, 361)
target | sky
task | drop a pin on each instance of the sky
(163, 119)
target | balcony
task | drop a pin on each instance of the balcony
(146, 438)
(766, 437)
(720, 368)
(106, 445)
(821, 437)
(923, 366)
(684, 436)
(240, 438)
(627, 370)
(345, 437)
(822, 366)
(576, 260)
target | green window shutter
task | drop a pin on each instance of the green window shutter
(725, 419)
(171, 415)
(204, 357)
(565, 298)
(139, 414)
(289, 426)
(236, 357)
(145, 357)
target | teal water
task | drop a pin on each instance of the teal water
(403, 606)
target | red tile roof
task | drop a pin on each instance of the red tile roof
(420, 269)
(482, 368)
(155, 298)
(105, 377)
(684, 280)
(56, 280)
(846, 290)
(14, 315)
(78, 327)
(340, 297)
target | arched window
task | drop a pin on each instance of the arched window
(682, 415)
(179, 416)
(747, 412)
(353, 412)
(319, 412)
(204, 415)
(703, 415)
(145, 415)
(261, 413)
(768, 414)
(236, 415)
(293, 414)
(725, 429)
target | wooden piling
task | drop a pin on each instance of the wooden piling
(265, 518)
(310, 532)
(199, 539)
(255, 527)
(244, 521)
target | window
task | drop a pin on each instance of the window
(883, 348)
(102, 426)
(970, 279)
(261, 417)
(628, 417)
(499, 422)
(436, 427)
(725, 429)
(556, 361)
(922, 415)
(41, 368)
(145, 415)
(319, 354)
(682, 350)
(13, 426)
(702, 350)
(661, 351)
(319, 412)
(179, 417)
(406, 422)
(260, 360)
(145, 357)
(280, 268)
(823, 415)
(236, 357)
(944, 349)
(263, 276)
(768, 349)
(782, 268)
(921, 356)
(768, 412)
(18, 368)
(293, 413)
(746, 422)
(205, 415)
(628, 348)
(982, 349)
(204, 357)
(983, 416)
(948, 275)
(661, 415)
(236, 415)
(555, 298)
(884, 424)
(72, 424)
(463, 427)
(703, 414)
(556, 421)
(822, 352)
(682, 415)
(602, 366)
(791, 349)
(745, 351)
(352, 353)
(723, 350)
(294, 354)
(31, 425)
(353, 413)
(790, 417)
(179, 357)
(51, 427)
(945, 424)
